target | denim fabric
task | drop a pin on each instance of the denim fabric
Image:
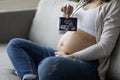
(26, 55)
(60, 68)
(31, 58)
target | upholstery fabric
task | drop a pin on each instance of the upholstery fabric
(15, 24)
(44, 28)
(114, 70)
(6, 68)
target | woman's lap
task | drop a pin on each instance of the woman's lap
(51, 68)
(61, 68)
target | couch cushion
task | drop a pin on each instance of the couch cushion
(8, 74)
(114, 70)
(15, 23)
(4, 60)
(6, 68)
(44, 28)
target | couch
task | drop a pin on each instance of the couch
(39, 25)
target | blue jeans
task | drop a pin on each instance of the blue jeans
(31, 58)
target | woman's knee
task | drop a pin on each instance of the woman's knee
(46, 67)
(13, 43)
(50, 62)
(46, 63)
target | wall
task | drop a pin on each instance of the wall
(17, 4)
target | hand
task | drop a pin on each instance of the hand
(63, 54)
(67, 10)
(60, 54)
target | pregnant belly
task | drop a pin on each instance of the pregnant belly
(73, 41)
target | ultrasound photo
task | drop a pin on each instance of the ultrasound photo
(68, 24)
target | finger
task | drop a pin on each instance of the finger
(56, 53)
(70, 10)
(62, 8)
(65, 9)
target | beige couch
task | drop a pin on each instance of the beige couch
(40, 27)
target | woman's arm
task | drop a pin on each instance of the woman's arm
(109, 36)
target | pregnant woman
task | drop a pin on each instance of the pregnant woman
(80, 55)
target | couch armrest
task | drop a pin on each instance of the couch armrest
(15, 24)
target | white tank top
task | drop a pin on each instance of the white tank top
(86, 20)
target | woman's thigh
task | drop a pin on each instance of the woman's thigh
(59, 68)
(22, 47)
